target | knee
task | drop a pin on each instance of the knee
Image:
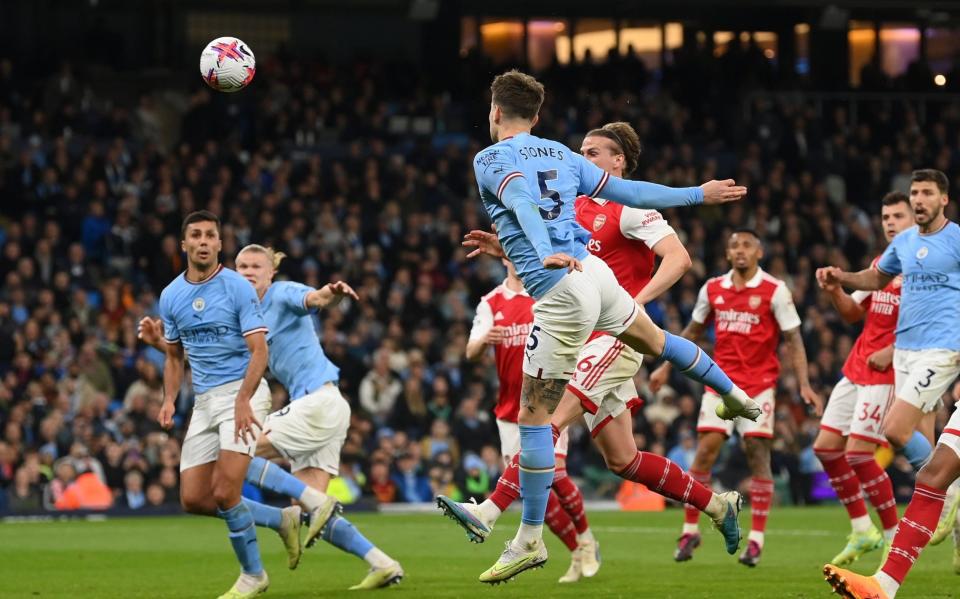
(225, 496)
(618, 461)
(196, 503)
(898, 438)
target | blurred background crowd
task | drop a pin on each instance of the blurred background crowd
(362, 172)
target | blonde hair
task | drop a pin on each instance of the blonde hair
(272, 255)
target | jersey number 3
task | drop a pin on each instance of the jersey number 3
(549, 194)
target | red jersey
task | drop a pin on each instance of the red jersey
(748, 323)
(623, 238)
(505, 308)
(879, 324)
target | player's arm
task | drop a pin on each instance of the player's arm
(254, 330)
(674, 263)
(849, 308)
(329, 295)
(483, 333)
(172, 379)
(785, 313)
(594, 181)
(881, 359)
(868, 279)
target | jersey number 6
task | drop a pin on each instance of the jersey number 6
(549, 194)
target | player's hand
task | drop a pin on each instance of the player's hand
(828, 276)
(244, 421)
(812, 398)
(483, 242)
(495, 335)
(659, 377)
(881, 359)
(721, 192)
(558, 261)
(150, 330)
(165, 418)
(341, 290)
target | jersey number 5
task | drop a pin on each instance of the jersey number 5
(549, 194)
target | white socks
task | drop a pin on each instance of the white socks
(377, 558)
(312, 498)
(690, 529)
(489, 512)
(756, 536)
(717, 508)
(889, 533)
(889, 585)
(527, 535)
(861, 523)
(585, 537)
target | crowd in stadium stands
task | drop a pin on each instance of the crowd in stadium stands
(363, 173)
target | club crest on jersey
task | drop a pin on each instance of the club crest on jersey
(922, 253)
(599, 221)
(754, 301)
(199, 304)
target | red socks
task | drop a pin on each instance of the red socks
(559, 522)
(876, 486)
(508, 487)
(914, 531)
(691, 515)
(761, 496)
(663, 476)
(571, 499)
(844, 480)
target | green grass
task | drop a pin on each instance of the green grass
(186, 557)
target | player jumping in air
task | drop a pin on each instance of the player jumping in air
(926, 360)
(308, 432)
(750, 309)
(852, 425)
(602, 388)
(573, 298)
(503, 320)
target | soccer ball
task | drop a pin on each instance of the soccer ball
(227, 64)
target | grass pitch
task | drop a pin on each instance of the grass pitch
(187, 557)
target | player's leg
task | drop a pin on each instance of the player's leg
(340, 532)
(709, 444)
(830, 448)
(563, 320)
(228, 475)
(757, 449)
(647, 338)
(900, 430)
(873, 403)
(614, 437)
(585, 558)
(916, 526)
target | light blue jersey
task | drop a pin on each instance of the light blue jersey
(930, 300)
(211, 319)
(296, 357)
(528, 186)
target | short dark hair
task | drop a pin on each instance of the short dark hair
(895, 197)
(746, 230)
(931, 174)
(200, 216)
(627, 140)
(517, 94)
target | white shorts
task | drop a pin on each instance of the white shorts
(509, 439)
(309, 432)
(603, 380)
(710, 422)
(950, 436)
(923, 376)
(567, 315)
(858, 411)
(211, 427)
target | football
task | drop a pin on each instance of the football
(227, 64)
